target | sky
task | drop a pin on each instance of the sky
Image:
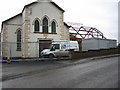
(101, 14)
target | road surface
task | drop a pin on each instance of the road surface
(102, 73)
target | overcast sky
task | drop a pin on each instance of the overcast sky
(101, 14)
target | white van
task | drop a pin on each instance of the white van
(60, 49)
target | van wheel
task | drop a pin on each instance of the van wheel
(51, 56)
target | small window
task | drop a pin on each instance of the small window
(36, 26)
(45, 25)
(19, 40)
(53, 27)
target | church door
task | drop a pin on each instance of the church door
(44, 44)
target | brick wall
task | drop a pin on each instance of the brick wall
(93, 53)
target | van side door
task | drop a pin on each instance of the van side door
(63, 50)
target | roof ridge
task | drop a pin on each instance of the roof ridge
(44, 1)
(50, 1)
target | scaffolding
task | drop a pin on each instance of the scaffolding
(78, 31)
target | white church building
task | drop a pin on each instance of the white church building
(38, 22)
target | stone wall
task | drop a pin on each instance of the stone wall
(26, 32)
(4, 41)
(61, 27)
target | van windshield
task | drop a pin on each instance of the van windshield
(55, 46)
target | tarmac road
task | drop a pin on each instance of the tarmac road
(102, 73)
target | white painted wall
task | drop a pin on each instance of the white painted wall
(39, 10)
(97, 43)
(12, 26)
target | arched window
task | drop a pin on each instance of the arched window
(53, 27)
(45, 25)
(36, 26)
(19, 40)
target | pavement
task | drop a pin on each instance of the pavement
(56, 59)
(35, 59)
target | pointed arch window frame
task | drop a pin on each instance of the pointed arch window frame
(39, 24)
(54, 28)
(36, 26)
(45, 24)
(33, 23)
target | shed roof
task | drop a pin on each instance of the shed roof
(20, 14)
(67, 25)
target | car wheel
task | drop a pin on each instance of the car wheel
(51, 56)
